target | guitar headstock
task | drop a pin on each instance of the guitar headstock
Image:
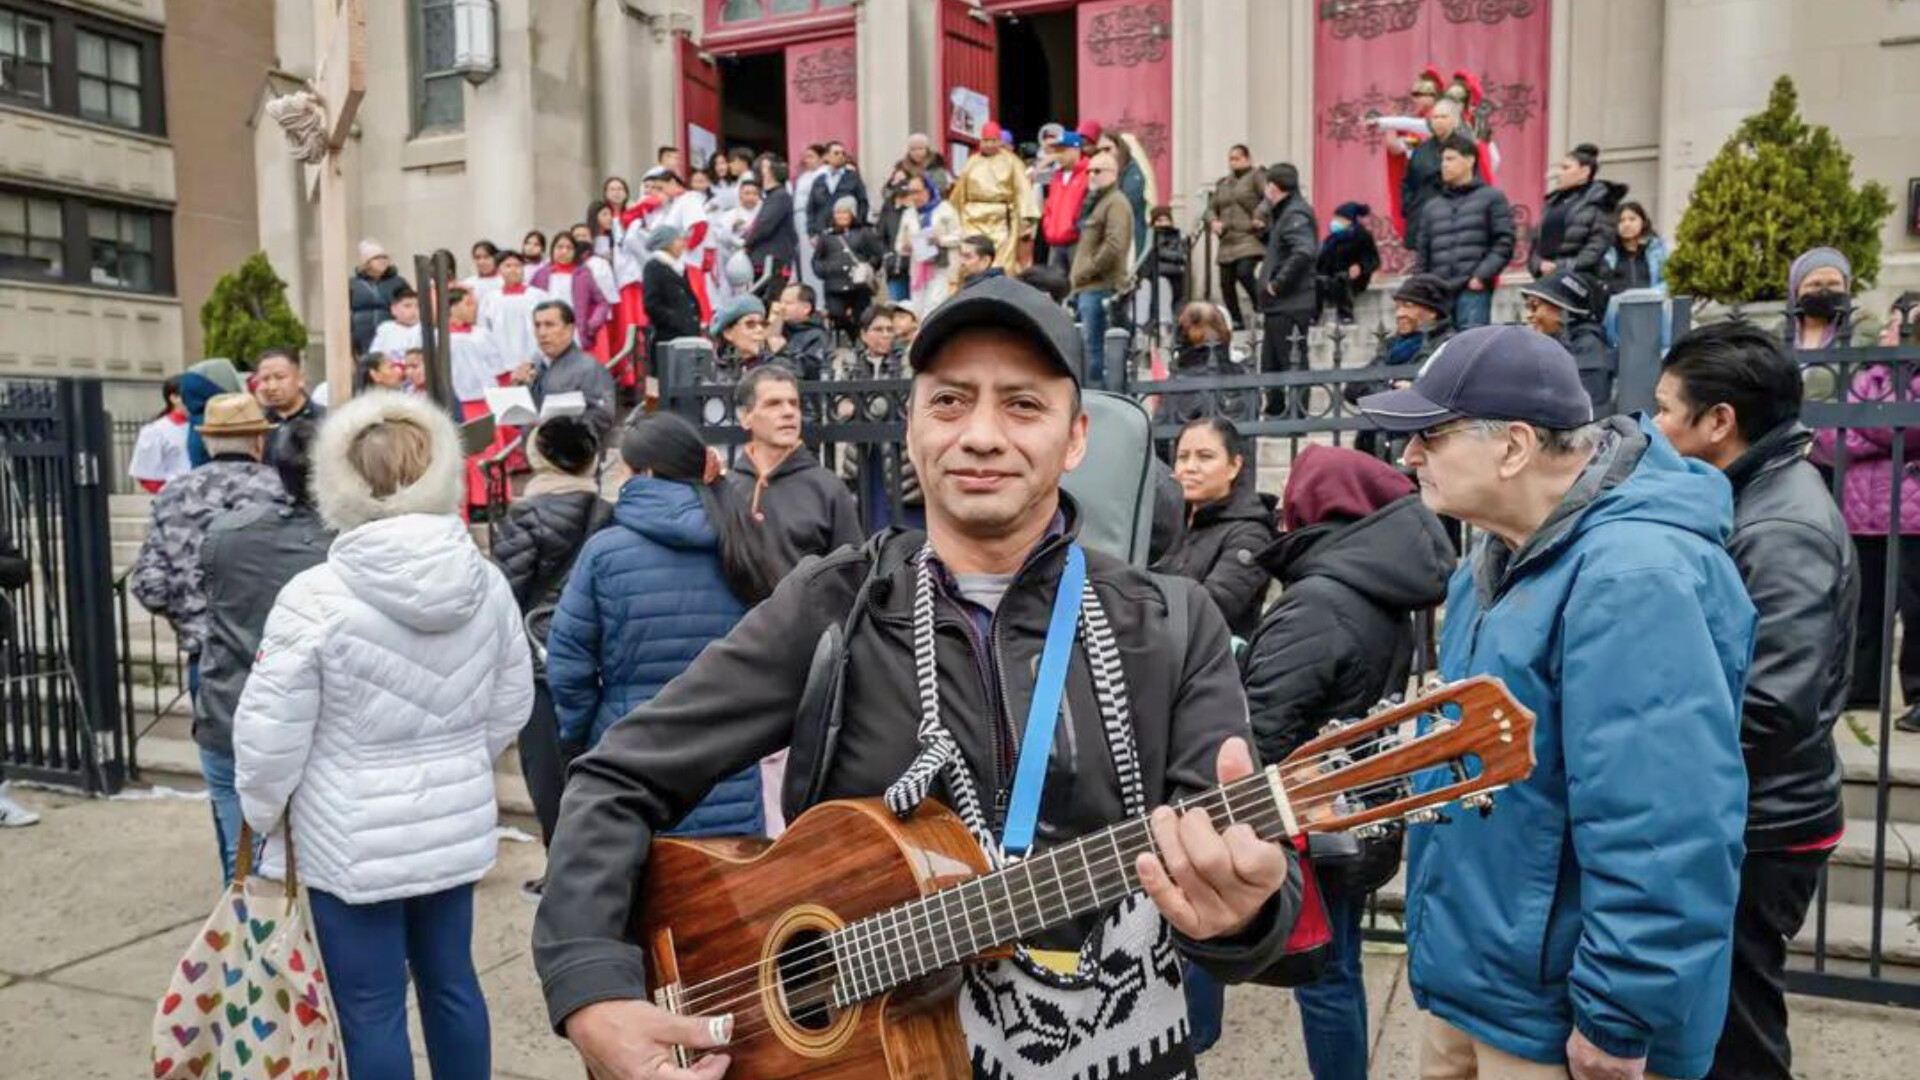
(1455, 742)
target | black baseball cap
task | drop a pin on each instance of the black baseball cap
(1488, 373)
(1004, 303)
(1570, 291)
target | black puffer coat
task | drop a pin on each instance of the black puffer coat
(1576, 228)
(1341, 637)
(1466, 233)
(370, 300)
(536, 544)
(1293, 242)
(1221, 551)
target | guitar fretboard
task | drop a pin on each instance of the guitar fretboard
(1053, 887)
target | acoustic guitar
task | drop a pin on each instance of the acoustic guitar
(837, 948)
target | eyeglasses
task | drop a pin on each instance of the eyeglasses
(1433, 435)
(753, 322)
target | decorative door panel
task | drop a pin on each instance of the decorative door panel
(1367, 54)
(1126, 74)
(823, 94)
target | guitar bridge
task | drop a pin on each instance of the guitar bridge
(669, 994)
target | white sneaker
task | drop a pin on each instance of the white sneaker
(13, 815)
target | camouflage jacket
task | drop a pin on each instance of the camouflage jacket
(166, 576)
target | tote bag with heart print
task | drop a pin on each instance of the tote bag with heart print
(249, 1001)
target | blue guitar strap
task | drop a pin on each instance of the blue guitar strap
(1036, 745)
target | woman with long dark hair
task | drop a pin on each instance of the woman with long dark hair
(160, 453)
(1228, 521)
(1638, 257)
(676, 569)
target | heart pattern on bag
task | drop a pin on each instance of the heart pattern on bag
(280, 1028)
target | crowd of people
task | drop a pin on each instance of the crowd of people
(658, 644)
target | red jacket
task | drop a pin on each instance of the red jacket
(1060, 221)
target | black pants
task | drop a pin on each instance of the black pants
(1865, 690)
(1241, 272)
(1280, 351)
(1336, 290)
(1775, 889)
(543, 762)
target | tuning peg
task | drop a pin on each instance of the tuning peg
(1428, 816)
(1333, 726)
(1383, 705)
(1481, 801)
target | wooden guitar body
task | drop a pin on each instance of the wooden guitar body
(713, 907)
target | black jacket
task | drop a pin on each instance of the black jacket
(836, 253)
(1342, 250)
(1420, 183)
(1791, 545)
(1293, 241)
(1466, 233)
(672, 309)
(247, 557)
(809, 348)
(736, 703)
(1576, 228)
(1221, 550)
(771, 235)
(371, 300)
(821, 198)
(1587, 341)
(803, 509)
(1340, 637)
(536, 543)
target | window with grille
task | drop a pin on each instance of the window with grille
(110, 78)
(26, 57)
(439, 101)
(32, 237)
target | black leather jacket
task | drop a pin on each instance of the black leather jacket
(738, 701)
(1799, 566)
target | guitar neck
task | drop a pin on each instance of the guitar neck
(1046, 890)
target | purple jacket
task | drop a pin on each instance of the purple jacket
(590, 309)
(1867, 491)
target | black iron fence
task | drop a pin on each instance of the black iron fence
(59, 713)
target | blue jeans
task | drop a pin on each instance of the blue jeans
(1472, 308)
(1090, 308)
(1333, 1008)
(369, 951)
(1206, 1006)
(217, 769)
(898, 290)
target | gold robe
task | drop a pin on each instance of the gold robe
(994, 198)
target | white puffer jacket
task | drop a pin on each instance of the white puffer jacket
(388, 679)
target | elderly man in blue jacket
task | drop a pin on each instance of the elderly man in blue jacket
(1585, 926)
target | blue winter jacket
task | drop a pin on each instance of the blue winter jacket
(1600, 893)
(643, 598)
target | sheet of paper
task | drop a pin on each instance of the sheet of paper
(512, 406)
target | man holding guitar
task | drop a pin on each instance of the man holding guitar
(911, 665)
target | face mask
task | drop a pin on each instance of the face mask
(1340, 226)
(1824, 304)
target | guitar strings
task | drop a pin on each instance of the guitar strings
(748, 1031)
(880, 950)
(877, 952)
(1213, 798)
(881, 946)
(1257, 779)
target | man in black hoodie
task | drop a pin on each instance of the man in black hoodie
(801, 508)
(1729, 395)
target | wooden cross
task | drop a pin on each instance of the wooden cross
(340, 28)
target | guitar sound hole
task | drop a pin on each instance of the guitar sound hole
(806, 980)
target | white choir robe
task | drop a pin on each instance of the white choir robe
(508, 319)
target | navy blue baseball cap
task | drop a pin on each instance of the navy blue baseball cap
(1488, 373)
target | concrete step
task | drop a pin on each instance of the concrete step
(172, 760)
(135, 505)
(1861, 766)
(1850, 870)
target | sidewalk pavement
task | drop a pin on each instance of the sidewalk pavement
(100, 899)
